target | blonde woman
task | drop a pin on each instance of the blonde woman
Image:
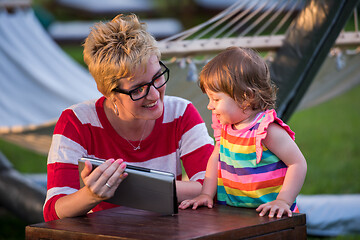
(133, 122)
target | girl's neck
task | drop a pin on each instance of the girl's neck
(244, 123)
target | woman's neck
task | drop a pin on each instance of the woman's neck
(132, 129)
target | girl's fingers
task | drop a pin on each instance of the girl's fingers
(259, 208)
(264, 210)
(289, 212)
(184, 204)
(280, 213)
(272, 212)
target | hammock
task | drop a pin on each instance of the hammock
(256, 24)
(302, 33)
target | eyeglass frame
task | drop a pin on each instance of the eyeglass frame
(149, 84)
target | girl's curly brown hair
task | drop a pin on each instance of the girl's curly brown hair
(243, 75)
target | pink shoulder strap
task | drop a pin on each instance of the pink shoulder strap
(270, 117)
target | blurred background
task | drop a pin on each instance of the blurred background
(40, 41)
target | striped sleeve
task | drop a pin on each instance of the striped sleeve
(195, 145)
(62, 169)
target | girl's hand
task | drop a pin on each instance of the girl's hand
(277, 206)
(105, 179)
(201, 200)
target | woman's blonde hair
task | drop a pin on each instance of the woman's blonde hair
(243, 75)
(114, 50)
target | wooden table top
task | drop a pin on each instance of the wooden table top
(126, 223)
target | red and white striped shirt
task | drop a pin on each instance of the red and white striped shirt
(84, 130)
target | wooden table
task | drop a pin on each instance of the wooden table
(221, 222)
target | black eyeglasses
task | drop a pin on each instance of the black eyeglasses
(142, 91)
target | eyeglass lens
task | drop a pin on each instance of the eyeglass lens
(157, 82)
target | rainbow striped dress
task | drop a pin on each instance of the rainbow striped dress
(248, 173)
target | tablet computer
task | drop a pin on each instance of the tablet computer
(143, 188)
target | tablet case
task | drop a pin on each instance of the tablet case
(143, 188)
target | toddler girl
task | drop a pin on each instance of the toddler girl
(255, 162)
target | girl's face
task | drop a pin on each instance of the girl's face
(150, 107)
(226, 109)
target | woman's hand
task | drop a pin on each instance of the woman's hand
(201, 200)
(277, 206)
(104, 180)
(109, 173)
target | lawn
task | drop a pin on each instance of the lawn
(328, 135)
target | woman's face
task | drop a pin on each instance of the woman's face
(151, 106)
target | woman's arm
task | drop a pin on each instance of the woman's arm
(280, 143)
(96, 188)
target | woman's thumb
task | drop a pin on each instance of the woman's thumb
(87, 169)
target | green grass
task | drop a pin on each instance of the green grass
(22, 159)
(75, 52)
(328, 135)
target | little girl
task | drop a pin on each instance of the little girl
(255, 162)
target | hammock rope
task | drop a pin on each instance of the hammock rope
(257, 24)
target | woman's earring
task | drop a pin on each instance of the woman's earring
(116, 110)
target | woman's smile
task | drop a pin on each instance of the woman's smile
(151, 105)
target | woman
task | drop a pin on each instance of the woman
(134, 122)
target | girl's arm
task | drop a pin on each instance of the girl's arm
(187, 189)
(211, 175)
(280, 143)
(209, 187)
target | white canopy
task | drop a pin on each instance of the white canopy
(37, 79)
